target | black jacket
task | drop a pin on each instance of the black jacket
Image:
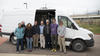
(23, 25)
(36, 29)
(28, 32)
(45, 30)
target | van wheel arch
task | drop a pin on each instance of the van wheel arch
(80, 40)
(12, 40)
(12, 34)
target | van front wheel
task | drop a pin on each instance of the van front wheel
(78, 45)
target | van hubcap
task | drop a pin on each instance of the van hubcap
(78, 46)
(13, 40)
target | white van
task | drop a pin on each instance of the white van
(76, 37)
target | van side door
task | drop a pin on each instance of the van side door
(70, 27)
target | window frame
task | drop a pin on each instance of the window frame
(67, 22)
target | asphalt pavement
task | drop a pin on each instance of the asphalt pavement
(6, 48)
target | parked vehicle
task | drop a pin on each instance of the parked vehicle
(0, 30)
(76, 37)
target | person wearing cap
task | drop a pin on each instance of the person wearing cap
(61, 36)
(47, 33)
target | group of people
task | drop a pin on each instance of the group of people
(47, 35)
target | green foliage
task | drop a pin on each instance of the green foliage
(94, 28)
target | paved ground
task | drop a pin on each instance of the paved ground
(8, 49)
(2, 40)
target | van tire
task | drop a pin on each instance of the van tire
(78, 45)
(12, 40)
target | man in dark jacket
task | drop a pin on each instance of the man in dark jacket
(36, 32)
(47, 34)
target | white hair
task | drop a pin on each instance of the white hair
(47, 20)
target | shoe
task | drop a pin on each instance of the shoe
(22, 51)
(54, 50)
(17, 52)
(61, 51)
(41, 48)
(30, 50)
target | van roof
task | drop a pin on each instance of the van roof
(46, 9)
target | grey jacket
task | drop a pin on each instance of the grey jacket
(61, 30)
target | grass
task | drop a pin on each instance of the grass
(94, 28)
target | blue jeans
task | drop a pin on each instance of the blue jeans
(29, 43)
(19, 41)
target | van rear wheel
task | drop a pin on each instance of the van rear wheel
(78, 45)
(13, 40)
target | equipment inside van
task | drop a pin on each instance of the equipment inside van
(42, 15)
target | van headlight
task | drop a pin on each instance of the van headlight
(91, 35)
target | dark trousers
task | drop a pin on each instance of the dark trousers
(19, 41)
(54, 40)
(48, 41)
(24, 43)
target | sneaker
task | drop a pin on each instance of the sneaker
(22, 51)
(29, 50)
(61, 51)
(41, 48)
(65, 52)
(54, 50)
(17, 52)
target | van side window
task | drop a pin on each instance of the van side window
(66, 22)
(69, 24)
(64, 19)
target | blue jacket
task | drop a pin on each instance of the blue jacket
(19, 33)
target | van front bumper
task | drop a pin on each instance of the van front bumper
(90, 42)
